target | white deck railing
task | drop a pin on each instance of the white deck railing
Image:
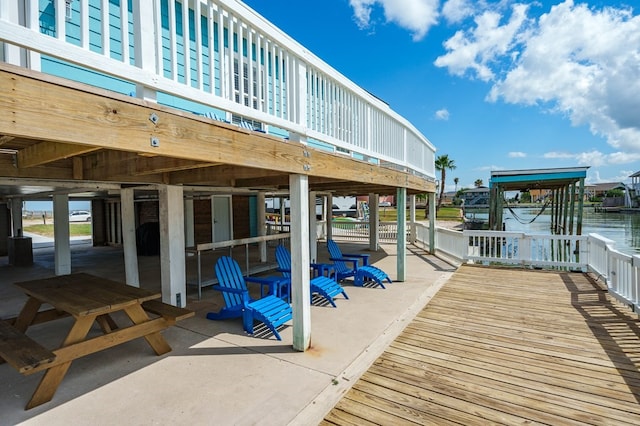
(359, 230)
(234, 65)
(588, 253)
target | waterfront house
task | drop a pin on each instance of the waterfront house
(186, 114)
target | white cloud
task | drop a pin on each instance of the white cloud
(558, 155)
(595, 158)
(455, 11)
(576, 60)
(417, 16)
(483, 47)
(517, 154)
(442, 114)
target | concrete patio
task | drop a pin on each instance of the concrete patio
(216, 374)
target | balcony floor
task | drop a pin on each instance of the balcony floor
(506, 346)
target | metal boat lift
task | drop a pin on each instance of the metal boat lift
(565, 186)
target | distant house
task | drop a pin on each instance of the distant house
(601, 189)
(476, 197)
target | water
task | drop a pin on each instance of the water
(623, 228)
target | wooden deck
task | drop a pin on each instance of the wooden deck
(506, 346)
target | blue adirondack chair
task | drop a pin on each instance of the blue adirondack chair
(271, 310)
(320, 284)
(360, 273)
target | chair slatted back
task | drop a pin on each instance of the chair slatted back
(229, 274)
(283, 257)
(335, 253)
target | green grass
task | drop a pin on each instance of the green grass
(449, 213)
(390, 214)
(75, 229)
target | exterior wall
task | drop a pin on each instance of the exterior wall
(202, 221)
(99, 223)
(148, 211)
(5, 228)
(241, 217)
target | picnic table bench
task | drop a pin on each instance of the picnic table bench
(88, 299)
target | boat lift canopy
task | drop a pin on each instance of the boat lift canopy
(562, 185)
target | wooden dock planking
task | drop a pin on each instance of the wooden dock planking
(506, 345)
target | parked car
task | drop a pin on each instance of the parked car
(384, 204)
(80, 216)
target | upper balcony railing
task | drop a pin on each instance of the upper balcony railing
(215, 57)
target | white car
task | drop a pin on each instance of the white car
(80, 216)
(385, 204)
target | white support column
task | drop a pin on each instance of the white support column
(172, 262)
(374, 229)
(16, 217)
(127, 211)
(62, 250)
(412, 218)
(401, 203)
(431, 197)
(313, 233)
(329, 217)
(262, 225)
(300, 289)
(189, 227)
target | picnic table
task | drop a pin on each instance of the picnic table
(87, 299)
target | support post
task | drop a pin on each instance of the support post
(129, 237)
(572, 206)
(580, 207)
(401, 205)
(300, 288)
(431, 196)
(412, 218)
(374, 229)
(16, 217)
(329, 216)
(172, 259)
(313, 234)
(62, 250)
(262, 225)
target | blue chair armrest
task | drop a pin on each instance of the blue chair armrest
(263, 280)
(364, 257)
(346, 259)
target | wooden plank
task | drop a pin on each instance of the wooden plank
(169, 312)
(20, 351)
(508, 346)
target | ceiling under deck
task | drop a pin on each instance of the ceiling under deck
(59, 137)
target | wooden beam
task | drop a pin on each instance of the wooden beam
(5, 139)
(153, 165)
(47, 152)
(30, 107)
(40, 172)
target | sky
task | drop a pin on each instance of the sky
(495, 85)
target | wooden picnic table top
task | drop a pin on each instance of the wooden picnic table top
(83, 294)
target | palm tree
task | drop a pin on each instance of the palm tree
(442, 163)
(455, 181)
(478, 183)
